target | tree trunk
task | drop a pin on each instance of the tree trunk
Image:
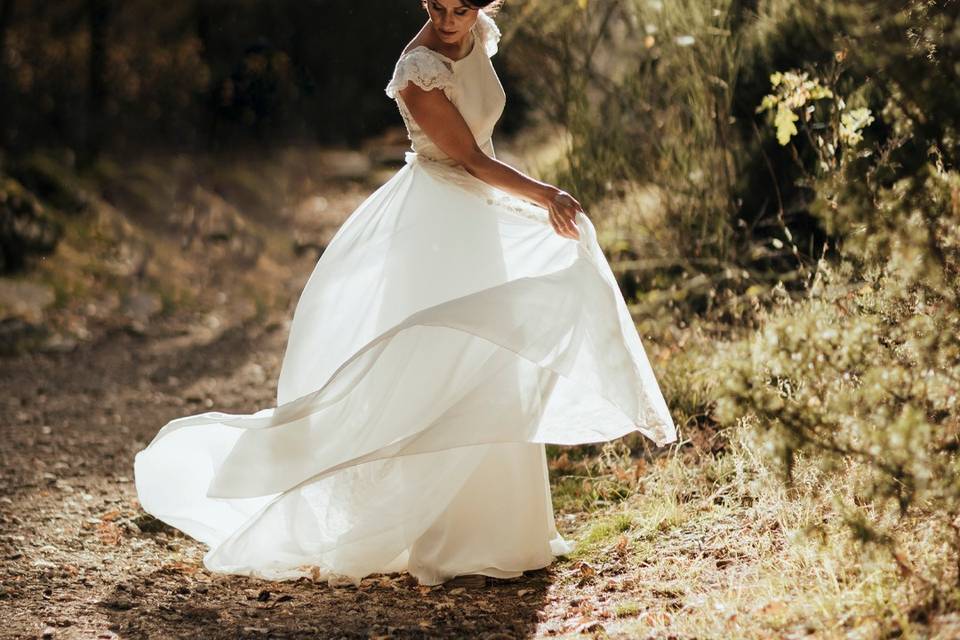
(204, 20)
(98, 15)
(6, 18)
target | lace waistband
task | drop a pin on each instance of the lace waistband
(457, 175)
(450, 171)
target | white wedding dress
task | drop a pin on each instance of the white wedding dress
(445, 334)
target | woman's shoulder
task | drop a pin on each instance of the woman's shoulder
(420, 65)
(488, 32)
(430, 69)
(485, 30)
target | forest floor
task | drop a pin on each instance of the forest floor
(81, 559)
(702, 542)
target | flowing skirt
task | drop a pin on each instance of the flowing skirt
(445, 335)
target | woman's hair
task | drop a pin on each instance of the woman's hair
(489, 7)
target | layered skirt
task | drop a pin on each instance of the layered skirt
(445, 335)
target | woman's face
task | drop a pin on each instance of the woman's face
(452, 19)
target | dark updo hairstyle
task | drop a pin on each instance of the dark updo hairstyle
(488, 6)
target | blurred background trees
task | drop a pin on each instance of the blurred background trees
(196, 74)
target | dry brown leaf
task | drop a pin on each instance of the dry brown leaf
(181, 567)
(622, 542)
(657, 617)
(589, 626)
(109, 533)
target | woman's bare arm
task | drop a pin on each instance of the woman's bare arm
(442, 122)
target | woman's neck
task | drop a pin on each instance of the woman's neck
(453, 50)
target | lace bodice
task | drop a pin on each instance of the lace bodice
(470, 83)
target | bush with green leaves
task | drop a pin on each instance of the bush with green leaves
(865, 370)
(869, 373)
(855, 361)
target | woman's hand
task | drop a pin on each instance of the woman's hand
(563, 209)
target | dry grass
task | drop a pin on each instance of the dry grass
(716, 546)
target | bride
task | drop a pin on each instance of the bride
(462, 317)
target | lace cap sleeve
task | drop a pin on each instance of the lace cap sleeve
(421, 68)
(488, 31)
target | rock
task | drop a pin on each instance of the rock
(345, 163)
(25, 226)
(17, 336)
(129, 258)
(117, 604)
(213, 221)
(253, 373)
(53, 182)
(140, 306)
(58, 343)
(24, 300)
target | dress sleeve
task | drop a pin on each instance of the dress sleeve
(488, 31)
(421, 68)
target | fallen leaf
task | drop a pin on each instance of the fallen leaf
(181, 567)
(622, 543)
(592, 626)
(110, 515)
(109, 533)
(657, 617)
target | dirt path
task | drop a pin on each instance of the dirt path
(79, 558)
(82, 560)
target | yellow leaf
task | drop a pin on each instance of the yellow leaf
(784, 123)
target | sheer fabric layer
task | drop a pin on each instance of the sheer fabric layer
(445, 335)
(446, 322)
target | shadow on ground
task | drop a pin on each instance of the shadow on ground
(389, 606)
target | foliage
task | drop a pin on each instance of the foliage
(805, 287)
(633, 84)
(196, 75)
(658, 100)
(867, 369)
(793, 91)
